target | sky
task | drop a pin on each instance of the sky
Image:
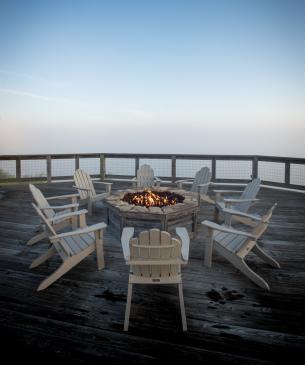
(171, 76)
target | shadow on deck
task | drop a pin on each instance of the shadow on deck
(79, 319)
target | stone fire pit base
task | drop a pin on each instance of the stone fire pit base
(122, 214)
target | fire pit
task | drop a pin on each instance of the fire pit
(158, 208)
(148, 198)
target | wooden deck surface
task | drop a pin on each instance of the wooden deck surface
(79, 319)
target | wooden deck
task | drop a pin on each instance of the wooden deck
(79, 319)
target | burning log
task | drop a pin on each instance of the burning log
(149, 198)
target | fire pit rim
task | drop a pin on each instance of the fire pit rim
(114, 200)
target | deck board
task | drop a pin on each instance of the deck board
(79, 319)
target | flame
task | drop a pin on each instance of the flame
(149, 198)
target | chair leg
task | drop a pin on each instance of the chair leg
(74, 223)
(241, 265)
(208, 253)
(216, 214)
(90, 206)
(63, 268)
(228, 219)
(128, 305)
(183, 317)
(265, 257)
(99, 249)
(51, 251)
(37, 238)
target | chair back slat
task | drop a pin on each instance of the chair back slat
(250, 192)
(155, 253)
(41, 201)
(144, 240)
(83, 180)
(159, 246)
(166, 253)
(203, 176)
(145, 176)
(44, 219)
(135, 254)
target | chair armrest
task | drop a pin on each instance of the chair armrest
(99, 197)
(156, 178)
(67, 215)
(239, 200)
(241, 214)
(102, 182)
(125, 238)
(185, 240)
(218, 227)
(61, 207)
(79, 188)
(107, 184)
(93, 228)
(63, 196)
(201, 185)
(183, 181)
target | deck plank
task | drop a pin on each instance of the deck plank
(79, 319)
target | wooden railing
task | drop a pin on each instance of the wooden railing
(287, 172)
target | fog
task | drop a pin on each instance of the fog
(198, 77)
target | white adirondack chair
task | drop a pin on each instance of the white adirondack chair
(72, 247)
(242, 203)
(62, 215)
(145, 178)
(235, 245)
(86, 190)
(200, 185)
(155, 258)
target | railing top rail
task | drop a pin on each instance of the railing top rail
(155, 156)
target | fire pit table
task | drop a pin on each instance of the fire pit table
(160, 207)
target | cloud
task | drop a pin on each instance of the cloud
(31, 77)
(42, 97)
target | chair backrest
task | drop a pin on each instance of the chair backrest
(62, 248)
(261, 227)
(250, 192)
(145, 176)
(83, 180)
(41, 201)
(49, 226)
(203, 176)
(155, 254)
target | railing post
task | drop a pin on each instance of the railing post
(287, 173)
(49, 169)
(102, 167)
(173, 169)
(254, 167)
(137, 165)
(213, 168)
(18, 168)
(76, 162)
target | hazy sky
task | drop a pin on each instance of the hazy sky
(152, 76)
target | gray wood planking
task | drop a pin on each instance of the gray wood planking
(80, 317)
